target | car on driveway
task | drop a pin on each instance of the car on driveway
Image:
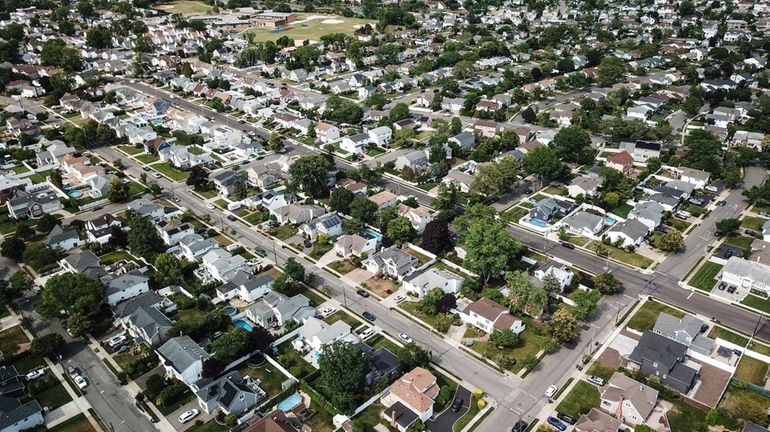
(368, 315)
(566, 418)
(362, 293)
(593, 379)
(405, 337)
(764, 215)
(556, 423)
(188, 415)
(399, 298)
(457, 404)
(35, 374)
(366, 333)
(80, 382)
(731, 289)
(328, 311)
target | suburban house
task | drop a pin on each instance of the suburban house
(391, 262)
(298, 213)
(220, 265)
(410, 398)
(747, 275)
(431, 278)
(329, 224)
(126, 286)
(146, 208)
(246, 286)
(695, 177)
(193, 247)
(326, 132)
(552, 268)
(384, 199)
(230, 393)
(380, 136)
(648, 212)
(275, 309)
(597, 421)
(488, 316)
(664, 358)
(584, 185)
(16, 416)
(622, 162)
(688, 331)
(148, 324)
(354, 244)
(463, 139)
(419, 217)
(487, 128)
(628, 399)
(316, 333)
(33, 203)
(584, 223)
(276, 421)
(172, 232)
(63, 238)
(85, 262)
(547, 208)
(415, 160)
(642, 150)
(354, 144)
(226, 181)
(183, 359)
(628, 233)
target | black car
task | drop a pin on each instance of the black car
(566, 418)
(568, 245)
(231, 218)
(731, 289)
(368, 315)
(457, 404)
(362, 293)
(308, 243)
(520, 426)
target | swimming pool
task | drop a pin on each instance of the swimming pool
(290, 402)
(75, 193)
(231, 310)
(539, 223)
(609, 220)
(373, 234)
(244, 325)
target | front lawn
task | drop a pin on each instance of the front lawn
(721, 332)
(344, 317)
(170, 171)
(704, 278)
(10, 340)
(751, 370)
(532, 340)
(130, 149)
(757, 303)
(79, 423)
(740, 241)
(210, 426)
(629, 258)
(753, 223)
(580, 400)
(600, 370)
(53, 397)
(645, 318)
(257, 218)
(342, 266)
(411, 308)
(282, 232)
(513, 215)
(147, 158)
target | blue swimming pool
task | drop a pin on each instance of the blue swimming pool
(231, 310)
(539, 223)
(75, 193)
(373, 234)
(609, 221)
(244, 325)
(290, 402)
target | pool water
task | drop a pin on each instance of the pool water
(244, 325)
(538, 222)
(290, 402)
(373, 234)
(609, 221)
(75, 193)
(231, 310)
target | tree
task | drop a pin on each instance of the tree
(455, 126)
(260, 339)
(369, 175)
(168, 270)
(240, 190)
(311, 174)
(400, 230)
(85, 8)
(47, 345)
(143, 238)
(672, 241)
(70, 293)
(399, 111)
(411, 356)
(496, 179)
(117, 190)
(430, 301)
(154, 189)
(230, 345)
(611, 70)
(78, 324)
(363, 209)
(18, 284)
(563, 326)
(585, 303)
(705, 151)
(551, 283)
(198, 177)
(118, 238)
(607, 283)
(275, 143)
(55, 52)
(529, 115)
(13, 248)
(572, 143)
(340, 200)
(490, 248)
(343, 368)
(506, 338)
(436, 237)
(311, 133)
(46, 223)
(728, 226)
(546, 164)
(294, 270)
(99, 37)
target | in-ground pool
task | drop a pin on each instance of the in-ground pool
(373, 234)
(231, 310)
(609, 220)
(243, 324)
(75, 193)
(539, 223)
(290, 402)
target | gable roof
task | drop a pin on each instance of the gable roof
(13, 411)
(486, 308)
(181, 352)
(642, 396)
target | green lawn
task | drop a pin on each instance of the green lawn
(531, 341)
(680, 224)
(30, 363)
(195, 150)
(411, 308)
(257, 218)
(147, 158)
(11, 338)
(600, 370)
(342, 266)
(751, 370)
(312, 30)
(757, 303)
(282, 232)
(115, 256)
(553, 190)
(728, 335)
(210, 426)
(169, 171)
(629, 258)
(645, 318)
(344, 317)
(623, 210)
(513, 215)
(53, 397)
(580, 400)
(79, 423)
(288, 357)
(185, 398)
(270, 378)
(20, 169)
(704, 278)
(753, 223)
(742, 242)
(130, 149)
(684, 417)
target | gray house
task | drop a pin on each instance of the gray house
(547, 208)
(391, 262)
(63, 238)
(16, 416)
(276, 309)
(664, 358)
(231, 393)
(415, 160)
(686, 331)
(149, 324)
(183, 358)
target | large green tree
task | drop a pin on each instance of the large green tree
(563, 326)
(497, 178)
(70, 293)
(311, 174)
(573, 144)
(491, 248)
(143, 238)
(168, 269)
(611, 70)
(546, 164)
(400, 230)
(343, 369)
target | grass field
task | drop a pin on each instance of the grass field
(757, 303)
(630, 258)
(342, 266)
(11, 339)
(704, 278)
(645, 318)
(185, 7)
(53, 397)
(752, 223)
(169, 171)
(742, 242)
(270, 378)
(79, 423)
(313, 29)
(580, 400)
(720, 332)
(752, 370)
(344, 317)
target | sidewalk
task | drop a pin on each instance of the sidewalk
(61, 414)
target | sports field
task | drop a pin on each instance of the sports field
(311, 27)
(185, 7)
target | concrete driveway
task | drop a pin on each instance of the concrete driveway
(447, 419)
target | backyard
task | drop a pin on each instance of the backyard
(751, 370)
(289, 358)
(645, 318)
(580, 400)
(270, 378)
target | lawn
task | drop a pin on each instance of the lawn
(11, 338)
(757, 303)
(721, 332)
(53, 397)
(751, 370)
(320, 249)
(684, 417)
(531, 341)
(753, 223)
(553, 190)
(289, 358)
(185, 7)
(420, 257)
(211, 425)
(130, 149)
(39, 177)
(623, 210)
(473, 409)
(513, 215)
(282, 232)
(79, 423)
(257, 218)
(270, 379)
(169, 171)
(742, 242)
(312, 29)
(645, 318)
(600, 370)
(342, 266)
(379, 341)
(147, 158)
(704, 278)
(735, 398)
(629, 258)
(30, 363)
(20, 169)
(344, 317)
(580, 400)
(186, 397)
(115, 256)
(321, 420)
(380, 286)
(411, 308)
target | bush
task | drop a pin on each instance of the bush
(171, 394)
(443, 396)
(295, 371)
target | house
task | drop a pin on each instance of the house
(419, 217)
(584, 223)
(226, 181)
(487, 128)
(547, 208)
(146, 208)
(221, 265)
(85, 262)
(246, 286)
(149, 324)
(416, 391)
(16, 416)
(354, 144)
(687, 331)
(552, 268)
(384, 199)
(463, 140)
(11, 383)
(298, 213)
(276, 421)
(753, 140)
(126, 286)
(461, 180)
(230, 393)
(357, 187)
(431, 278)
(391, 262)
(752, 427)
(54, 153)
(183, 359)
(628, 399)
(380, 136)
(316, 334)
(276, 309)
(63, 238)
(327, 133)
(488, 316)
(584, 185)
(747, 275)
(193, 247)
(648, 212)
(622, 162)
(172, 233)
(329, 224)
(416, 160)
(354, 244)
(33, 203)
(664, 358)
(695, 177)
(641, 151)
(628, 233)
(597, 421)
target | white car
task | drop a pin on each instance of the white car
(328, 311)
(35, 374)
(405, 337)
(188, 415)
(366, 333)
(156, 175)
(116, 340)
(551, 391)
(399, 298)
(595, 380)
(80, 382)
(210, 206)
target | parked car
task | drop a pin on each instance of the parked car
(568, 245)
(593, 379)
(188, 415)
(520, 426)
(752, 233)
(405, 337)
(210, 206)
(328, 311)
(764, 215)
(366, 333)
(156, 175)
(35, 374)
(566, 418)
(116, 341)
(308, 243)
(550, 391)
(399, 298)
(368, 315)
(556, 423)
(721, 203)
(362, 293)
(80, 382)
(457, 404)
(231, 218)
(731, 289)
(722, 286)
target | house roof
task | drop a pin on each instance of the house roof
(384, 361)
(416, 388)
(584, 220)
(151, 320)
(82, 260)
(382, 197)
(125, 281)
(128, 307)
(597, 421)
(632, 228)
(586, 183)
(486, 308)
(13, 411)
(666, 354)
(642, 396)
(353, 241)
(181, 352)
(749, 269)
(60, 234)
(276, 421)
(402, 415)
(433, 277)
(622, 158)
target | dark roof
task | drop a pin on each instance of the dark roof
(661, 349)
(13, 411)
(126, 308)
(384, 361)
(648, 145)
(404, 416)
(751, 427)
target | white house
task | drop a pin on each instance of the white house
(355, 144)
(631, 399)
(63, 238)
(562, 274)
(584, 223)
(354, 244)
(183, 359)
(488, 316)
(419, 217)
(326, 132)
(125, 286)
(316, 333)
(649, 213)
(329, 224)
(745, 274)
(628, 233)
(172, 233)
(584, 185)
(380, 136)
(421, 283)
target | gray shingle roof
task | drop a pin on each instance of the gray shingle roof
(181, 352)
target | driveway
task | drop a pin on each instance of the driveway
(359, 275)
(447, 419)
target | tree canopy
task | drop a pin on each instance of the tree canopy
(70, 293)
(311, 174)
(491, 248)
